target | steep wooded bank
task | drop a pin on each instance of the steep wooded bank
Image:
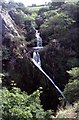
(58, 27)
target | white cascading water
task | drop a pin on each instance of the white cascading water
(39, 39)
(36, 55)
(36, 64)
(37, 61)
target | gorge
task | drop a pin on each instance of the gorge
(40, 43)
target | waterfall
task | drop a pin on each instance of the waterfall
(39, 39)
(36, 57)
(36, 64)
(37, 61)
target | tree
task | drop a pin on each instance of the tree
(20, 4)
(57, 25)
(19, 105)
(20, 18)
(56, 4)
(71, 90)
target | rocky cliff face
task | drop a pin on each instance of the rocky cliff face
(8, 25)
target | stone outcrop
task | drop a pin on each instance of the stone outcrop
(8, 25)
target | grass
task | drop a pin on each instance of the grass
(69, 112)
(72, 0)
(36, 9)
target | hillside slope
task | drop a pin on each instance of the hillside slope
(8, 25)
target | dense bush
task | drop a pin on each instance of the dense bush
(42, 10)
(71, 90)
(19, 105)
(50, 13)
(56, 4)
(57, 26)
(20, 18)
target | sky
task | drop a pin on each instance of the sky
(30, 2)
(38, 2)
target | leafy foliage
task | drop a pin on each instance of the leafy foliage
(74, 73)
(59, 19)
(50, 13)
(42, 10)
(21, 106)
(56, 25)
(56, 4)
(20, 18)
(72, 88)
